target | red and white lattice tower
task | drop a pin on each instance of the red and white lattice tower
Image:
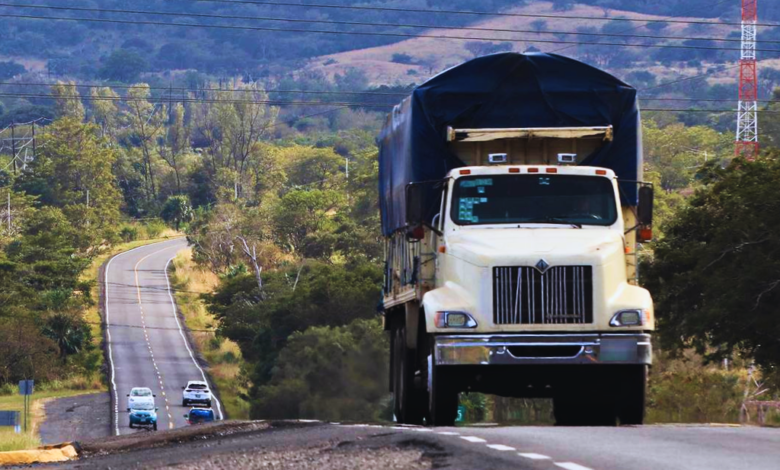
(747, 116)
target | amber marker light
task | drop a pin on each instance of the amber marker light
(533, 170)
(514, 170)
(601, 172)
(465, 172)
(442, 249)
(552, 170)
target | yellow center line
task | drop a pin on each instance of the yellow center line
(146, 335)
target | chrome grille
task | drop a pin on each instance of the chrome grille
(523, 295)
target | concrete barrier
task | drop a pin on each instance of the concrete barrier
(44, 454)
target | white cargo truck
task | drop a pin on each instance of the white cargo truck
(511, 250)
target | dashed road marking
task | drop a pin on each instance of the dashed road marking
(570, 466)
(533, 456)
(448, 433)
(472, 439)
(500, 447)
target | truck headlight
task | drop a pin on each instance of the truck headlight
(628, 318)
(455, 320)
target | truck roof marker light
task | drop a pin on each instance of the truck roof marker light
(551, 170)
(533, 170)
(514, 170)
(601, 172)
(465, 172)
(442, 249)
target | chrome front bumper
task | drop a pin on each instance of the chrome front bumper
(537, 349)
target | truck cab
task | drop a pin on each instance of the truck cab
(523, 284)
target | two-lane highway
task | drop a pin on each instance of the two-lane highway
(147, 346)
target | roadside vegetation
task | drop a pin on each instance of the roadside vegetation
(225, 362)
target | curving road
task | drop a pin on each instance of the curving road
(146, 344)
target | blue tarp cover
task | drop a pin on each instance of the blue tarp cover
(507, 90)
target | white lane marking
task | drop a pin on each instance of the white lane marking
(500, 447)
(472, 439)
(533, 456)
(108, 336)
(570, 466)
(181, 332)
(422, 429)
(448, 433)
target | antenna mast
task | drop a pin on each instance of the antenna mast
(747, 116)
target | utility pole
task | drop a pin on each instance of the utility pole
(747, 116)
(9, 211)
(13, 146)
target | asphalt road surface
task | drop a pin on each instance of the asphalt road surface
(330, 446)
(146, 343)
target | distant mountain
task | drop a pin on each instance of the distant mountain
(91, 50)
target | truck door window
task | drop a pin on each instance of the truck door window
(518, 199)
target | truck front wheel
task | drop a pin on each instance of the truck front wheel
(442, 396)
(409, 403)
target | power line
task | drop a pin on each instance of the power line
(645, 24)
(465, 12)
(365, 33)
(685, 79)
(340, 105)
(193, 100)
(362, 23)
(207, 90)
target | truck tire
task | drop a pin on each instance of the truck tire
(409, 403)
(442, 396)
(633, 391)
(154, 426)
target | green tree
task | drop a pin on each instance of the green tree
(147, 124)
(677, 152)
(67, 100)
(177, 210)
(73, 171)
(69, 331)
(123, 66)
(10, 69)
(330, 373)
(715, 276)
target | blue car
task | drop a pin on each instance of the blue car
(200, 415)
(143, 415)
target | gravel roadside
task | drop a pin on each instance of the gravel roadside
(77, 418)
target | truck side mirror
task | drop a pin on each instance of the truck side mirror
(415, 193)
(645, 213)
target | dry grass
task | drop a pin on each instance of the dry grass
(440, 54)
(222, 355)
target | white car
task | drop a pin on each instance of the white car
(139, 395)
(196, 392)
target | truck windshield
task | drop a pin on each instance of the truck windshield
(543, 198)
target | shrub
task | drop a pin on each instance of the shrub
(401, 58)
(155, 228)
(128, 233)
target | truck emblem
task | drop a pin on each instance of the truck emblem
(542, 266)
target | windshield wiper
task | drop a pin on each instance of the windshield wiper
(552, 220)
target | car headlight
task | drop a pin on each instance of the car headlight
(455, 320)
(634, 317)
